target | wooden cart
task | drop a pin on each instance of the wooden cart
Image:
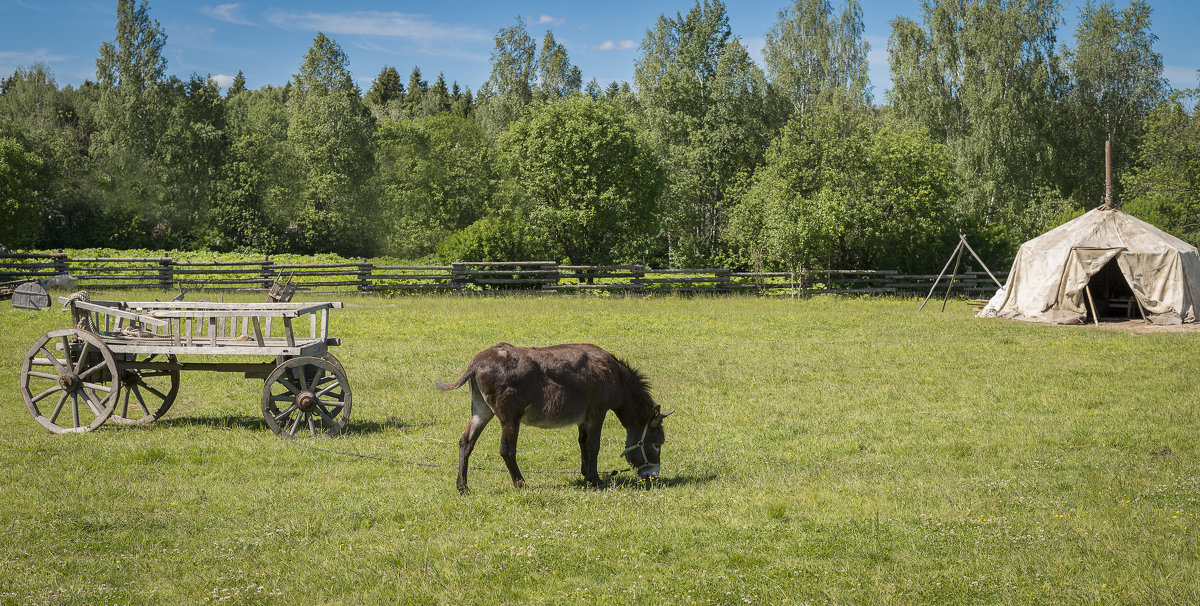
(120, 362)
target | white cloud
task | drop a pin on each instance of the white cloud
(229, 13)
(609, 45)
(547, 19)
(11, 60)
(377, 23)
(222, 80)
(440, 50)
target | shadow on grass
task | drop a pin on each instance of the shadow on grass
(629, 481)
(257, 423)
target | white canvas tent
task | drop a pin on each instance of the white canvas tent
(1101, 263)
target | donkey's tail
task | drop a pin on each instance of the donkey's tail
(459, 383)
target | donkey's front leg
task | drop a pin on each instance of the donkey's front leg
(508, 450)
(583, 449)
(589, 446)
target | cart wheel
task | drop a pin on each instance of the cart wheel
(146, 393)
(332, 359)
(58, 381)
(306, 397)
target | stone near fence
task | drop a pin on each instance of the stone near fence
(61, 282)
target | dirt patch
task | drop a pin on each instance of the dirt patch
(1142, 327)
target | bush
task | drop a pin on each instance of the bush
(494, 239)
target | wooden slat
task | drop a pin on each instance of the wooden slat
(258, 336)
(91, 306)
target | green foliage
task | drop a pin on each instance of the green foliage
(1165, 187)
(510, 87)
(494, 238)
(237, 86)
(331, 131)
(705, 109)
(1117, 81)
(192, 154)
(386, 88)
(55, 125)
(257, 197)
(813, 56)
(436, 101)
(20, 177)
(133, 115)
(587, 179)
(557, 78)
(142, 159)
(435, 176)
(983, 78)
(840, 190)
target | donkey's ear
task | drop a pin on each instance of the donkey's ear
(657, 410)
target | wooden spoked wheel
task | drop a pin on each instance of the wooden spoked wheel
(72, 390)
(306, 397)
(146, 393)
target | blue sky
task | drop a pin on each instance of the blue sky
(267, 39)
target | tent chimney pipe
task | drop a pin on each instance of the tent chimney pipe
(1108, 198)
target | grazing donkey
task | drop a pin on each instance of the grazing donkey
(555, 387)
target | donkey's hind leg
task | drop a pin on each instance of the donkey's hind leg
(481, 413)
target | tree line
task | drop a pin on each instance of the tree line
(992, 128)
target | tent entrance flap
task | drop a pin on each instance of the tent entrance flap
(1074, 288)
(1112, 295)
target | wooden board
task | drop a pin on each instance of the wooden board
(30, 295)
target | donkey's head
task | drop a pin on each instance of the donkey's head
(643, 449)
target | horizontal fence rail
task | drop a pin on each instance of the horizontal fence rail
(105, 273)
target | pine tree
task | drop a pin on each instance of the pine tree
(238, 85)
(416, 92)
(386, 88)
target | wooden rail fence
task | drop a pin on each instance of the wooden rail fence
(104, 273)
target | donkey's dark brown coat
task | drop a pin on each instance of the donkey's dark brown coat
(555, 387)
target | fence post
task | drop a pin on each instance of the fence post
(364, 274)
(267, 273)
(165, 273)
(60, 263)
(459, 272)
(551, 278)
(639, 276)
(722, 285)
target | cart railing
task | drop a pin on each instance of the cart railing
(228, 326)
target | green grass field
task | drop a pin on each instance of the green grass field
(822, 451)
